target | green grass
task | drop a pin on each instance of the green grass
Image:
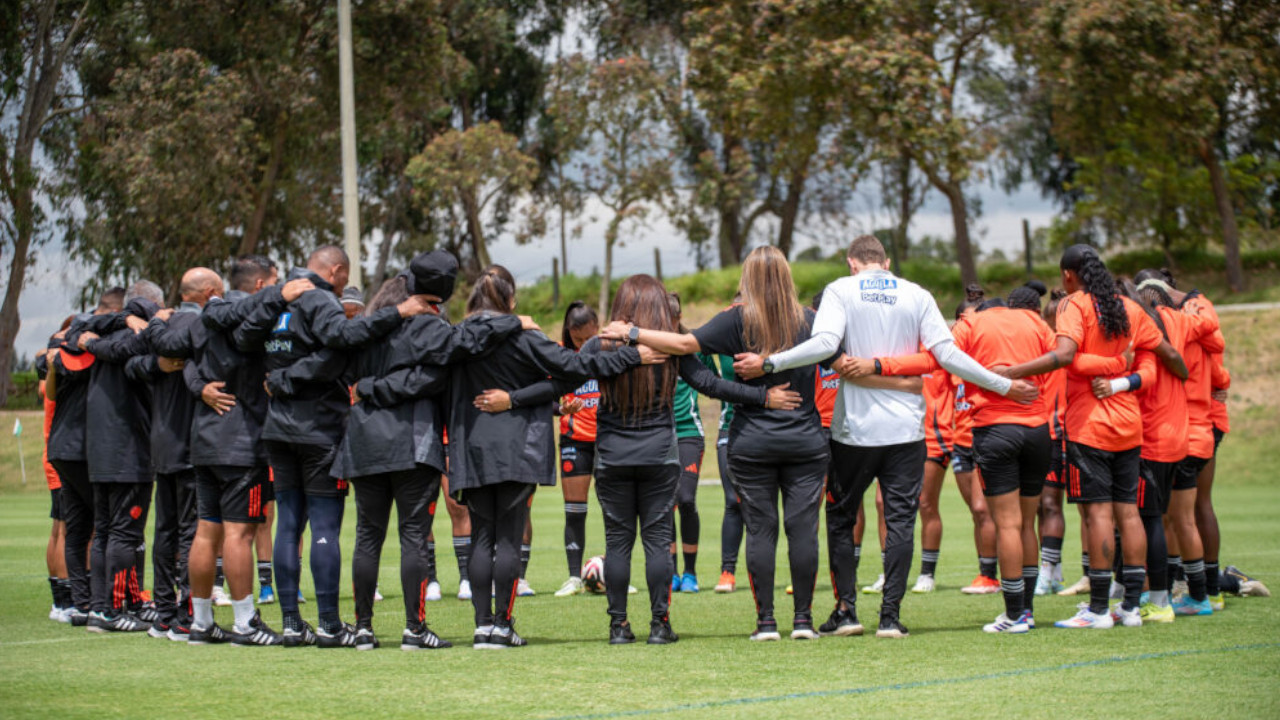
(947, 668)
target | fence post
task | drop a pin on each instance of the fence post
(1026, 243)
(555, 282)
(657, 264)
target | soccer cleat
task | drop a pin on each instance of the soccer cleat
(876, 587)
(377, 595)
(147, 613)
(891, 629)
(728, 583)
(802, 629)
(1086, 619)
(1029, 619)
(924, 584)
(343, 637)
(304, 634)
(631, 590)
(842, 623)
(1081, 586)
(365, 639)
(506, 637)
(982, 585)
(179, 631)
(464, 590)
(660, 633)
(689, 583)
(222, 599)
(257, 633)
(1155, 614)
(120, 622)
(212, 635)
(266, 595)
(483, 638)
(433, 592)
(158, 630)
(1178, 588)
(57, 614)
(572, 586)
(675, 583)
(1127, 618)
(1003, 624)
(79, 618)
(1186, 606)
(523, 589)
(766, 631)
(422, 638)
(620, 633)
(1249, 586)
(1217, 603)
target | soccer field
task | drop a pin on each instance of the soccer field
(1228, 664)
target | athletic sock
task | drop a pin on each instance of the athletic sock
(675, 566)
(53, 590)
(987, 567)
(264, 573)
(928, 562)
(690, 562)
(219, 579)
(1030, 573)
(330, 622)
(1051, 550)
(1175, 568)
(1099, 590)
(431, 561)
(202, 613)
(1013, 592)
(1134, 577)
(462, 549)
(1084, 563)
(64, 590)
(1211, 578)
(575, 536)
(243, 609)
(1159, 598)
(1197, 586)
(525, 552)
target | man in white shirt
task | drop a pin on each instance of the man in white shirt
(877, 433)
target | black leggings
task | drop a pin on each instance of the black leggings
(628, 494)
(77, 513)
(119, 527)
(731, 526)
(413, 492)
(498, 515)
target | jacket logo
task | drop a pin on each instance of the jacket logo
(878, 284)
(282, 323)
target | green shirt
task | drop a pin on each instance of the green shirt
(685, 406)
(726, 409)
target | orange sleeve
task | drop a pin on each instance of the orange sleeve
(1091, 365)
(1220, 377)
(1145, 366)
(1214, 342)
(1071, 321)
(1202, 323)
(1146, 336)
(920, 363)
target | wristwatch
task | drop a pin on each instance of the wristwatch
(633, 335)
(768, 366)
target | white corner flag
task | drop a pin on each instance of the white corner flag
(22, 460)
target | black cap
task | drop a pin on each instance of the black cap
(352, 296)
(433, 273)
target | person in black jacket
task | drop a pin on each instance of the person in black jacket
(496, 461)
(305, 422)
(172, 407)
(118, 449)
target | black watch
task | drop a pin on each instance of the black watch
(879, 370)
(767, 366)
(633, 335)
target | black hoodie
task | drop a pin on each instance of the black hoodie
(172, 404)
(118, 431)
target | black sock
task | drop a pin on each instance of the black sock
(53, 590)
(1099, 590)
(1030, 573)
(1013, 591)
(1051, 550)
(1211, 578)
(64, 592)
(987, 567)
(1084, 563)
(218, 578)
(431, 561)
(1133, 577)
(1174, 564)
(690, 562)
(575, 536)
(525, 552)
(1197, 587)
(264, 573)
(462, 549)
(928, 562)
(675, 566)
(330, 622)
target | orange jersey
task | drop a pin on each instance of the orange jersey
(1200, 375)
(1221, 381)
(50, 475)
(826, 383)
(1113, 424)
(1055, 397)
(1163, 399)
(1004, 336)
(939, 413)
(581, 426)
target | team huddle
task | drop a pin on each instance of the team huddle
(260, 401)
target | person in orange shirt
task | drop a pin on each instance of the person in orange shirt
(1096, 328)
(577, 446)
(1052, 523)
(55, 551)
(984, 529)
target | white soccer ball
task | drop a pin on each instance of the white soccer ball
(593, 574)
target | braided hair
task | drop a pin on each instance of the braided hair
(1028, 296)
(1146, 302)
(1098, 283)
(974, 296)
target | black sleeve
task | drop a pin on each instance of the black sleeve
(707, 382)
(722, 334)
(402, 385)
(118, 348)
(565, 364)
(168, 341)
(541, 393)
(259, 319)
(330, 324)
(142, 368)
(224, 315)
(320, 367)
(42, 366)
(435, 342)
(193, 377)
(100, 325)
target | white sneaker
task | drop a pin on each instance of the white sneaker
(1081, 586)
(523, 589)
(876, 587)
(220, 596)
(1004, 625)
(1128, 618)
(377, 595)
(58, 614)
(631, 590)
(924, 584)
(1178, 589)
(464, 590)
(1253, 588)
(433, 591)
(572, 586)
(1085, 619)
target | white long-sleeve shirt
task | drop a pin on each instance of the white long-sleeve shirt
(872, 315)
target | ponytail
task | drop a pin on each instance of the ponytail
(494, 291)
(1097, 281)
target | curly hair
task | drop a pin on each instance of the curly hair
(1027, 297)
(1097, 281)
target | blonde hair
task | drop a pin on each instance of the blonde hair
(772, 317)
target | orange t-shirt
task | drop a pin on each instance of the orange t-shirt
(581, 426)
(939, 413)
(1054, 392)
(1162, 398)
(1221, 381)
(1199, 376)
(50, 475)
(1004, 336)
(826, 384)
(1115, 423)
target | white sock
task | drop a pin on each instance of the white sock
(1159, 598)
(243, 608)
(202, 613)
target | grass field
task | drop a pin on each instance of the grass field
(1226, 665)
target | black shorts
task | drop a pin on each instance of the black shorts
(55, 504)
(1012, 457)
(231, 493)
(305, 467)
(577, 458)
(962, 459)
(1057, 476)
(269, 487)
(1188, 470)
(1217, 440)
(1095, 476)
(1155, 487)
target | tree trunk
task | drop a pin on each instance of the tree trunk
(960, 222)
(729, 207)
(790, 211)
(253, 232)
(10, 321)
(564, 245)
(479, 253)
(1227, 214)
(610, 238)
(900, 241)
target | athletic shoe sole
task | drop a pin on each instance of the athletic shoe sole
(765, 637)
(845, 631)
(893, 634)
(804, 635)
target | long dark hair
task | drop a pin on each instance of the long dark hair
(677, 311)
(1096, 280)
(771, 315)
(1050, 312)
(494, 291)
(576, 315)
(642, 301)
(392, 292)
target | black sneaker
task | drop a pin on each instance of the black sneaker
(147, 613)
(891, 628)
(256, 634)
(365, 639)
(120, 622)
(179, 630)
(421, 638)
(660, 633)
(159, 629)
(802, 628)
(620, 633)
(212, 635)
(483, 638)
(766, 630)
(79, 618)
(297, 634)
(842, 623)
(343, 637)
(506, 636)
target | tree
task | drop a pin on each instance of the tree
(42, 40)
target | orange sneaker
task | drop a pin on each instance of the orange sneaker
(727, 583)
(146, 596)
(982, 585)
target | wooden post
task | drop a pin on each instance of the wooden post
(657, 264)
(555, 282)
(1026, 242)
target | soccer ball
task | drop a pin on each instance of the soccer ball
(593, 574)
